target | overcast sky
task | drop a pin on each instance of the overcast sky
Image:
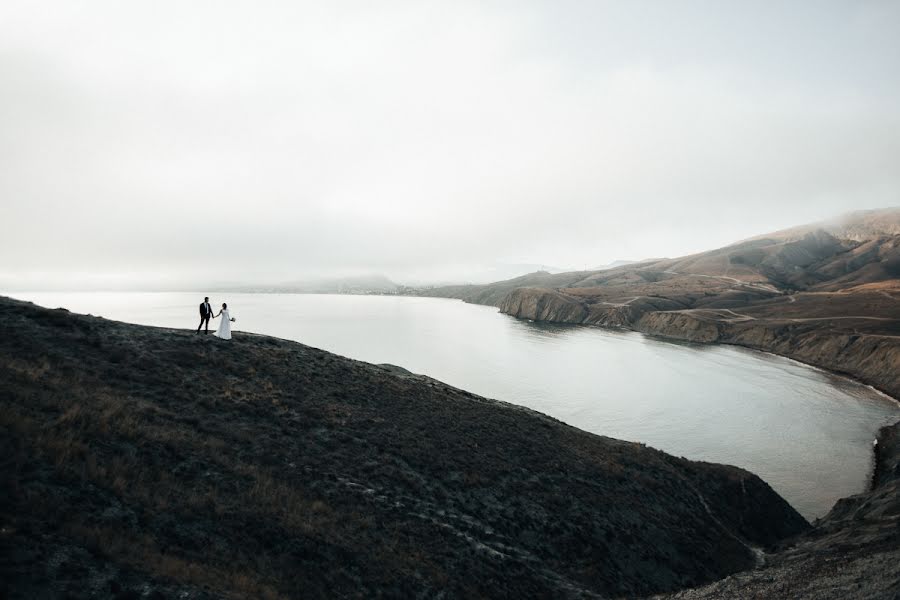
(170, 142)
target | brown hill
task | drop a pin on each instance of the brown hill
(142, 462)
(858, 226)
(827, 294)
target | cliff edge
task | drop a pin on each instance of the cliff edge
(853, 552)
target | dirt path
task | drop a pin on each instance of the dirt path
(626, 303)
(756, 286)
(800, 319)
(718, 312)
(738, 317)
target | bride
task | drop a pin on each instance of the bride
(224, 330)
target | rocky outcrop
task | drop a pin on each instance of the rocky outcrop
(887, 457)
(679, 326)
(540, 304)
(544, 305)
(853, 552)
(156, 463)
(492, 294)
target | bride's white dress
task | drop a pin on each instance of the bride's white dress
(224, 330)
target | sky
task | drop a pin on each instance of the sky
(177, 144)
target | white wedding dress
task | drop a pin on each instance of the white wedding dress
(224, 330)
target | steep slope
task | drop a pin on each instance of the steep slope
(147, 462)
(854, 552)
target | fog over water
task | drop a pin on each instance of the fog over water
(158, 144)
(807, 433)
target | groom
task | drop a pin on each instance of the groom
(205, 314)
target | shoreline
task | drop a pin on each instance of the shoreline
(666, 338)
(873, 465)
(825, 370)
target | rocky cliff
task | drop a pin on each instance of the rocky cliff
(493, 293)
(141, 462)
(853, 552)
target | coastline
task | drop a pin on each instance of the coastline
(894, 396)
(872, 474)
(826, 370)
(873, 464)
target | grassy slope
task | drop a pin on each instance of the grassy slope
(155, 460)
(854, 552)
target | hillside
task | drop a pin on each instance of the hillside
(853, 552)
(144, 462)
(494, 293)
(827, 294)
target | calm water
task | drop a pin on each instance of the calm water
(807, 433)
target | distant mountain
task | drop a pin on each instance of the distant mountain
(501, 272)
(494, 293)
(614, 264)
(360, 284)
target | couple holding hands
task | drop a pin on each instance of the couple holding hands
(206, 313)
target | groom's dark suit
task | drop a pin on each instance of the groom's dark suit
(205, 314)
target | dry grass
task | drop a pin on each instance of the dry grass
(73, 443)
(34, 371)
(291, 507)
(143, 553)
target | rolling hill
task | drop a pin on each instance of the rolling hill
(827, 294)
